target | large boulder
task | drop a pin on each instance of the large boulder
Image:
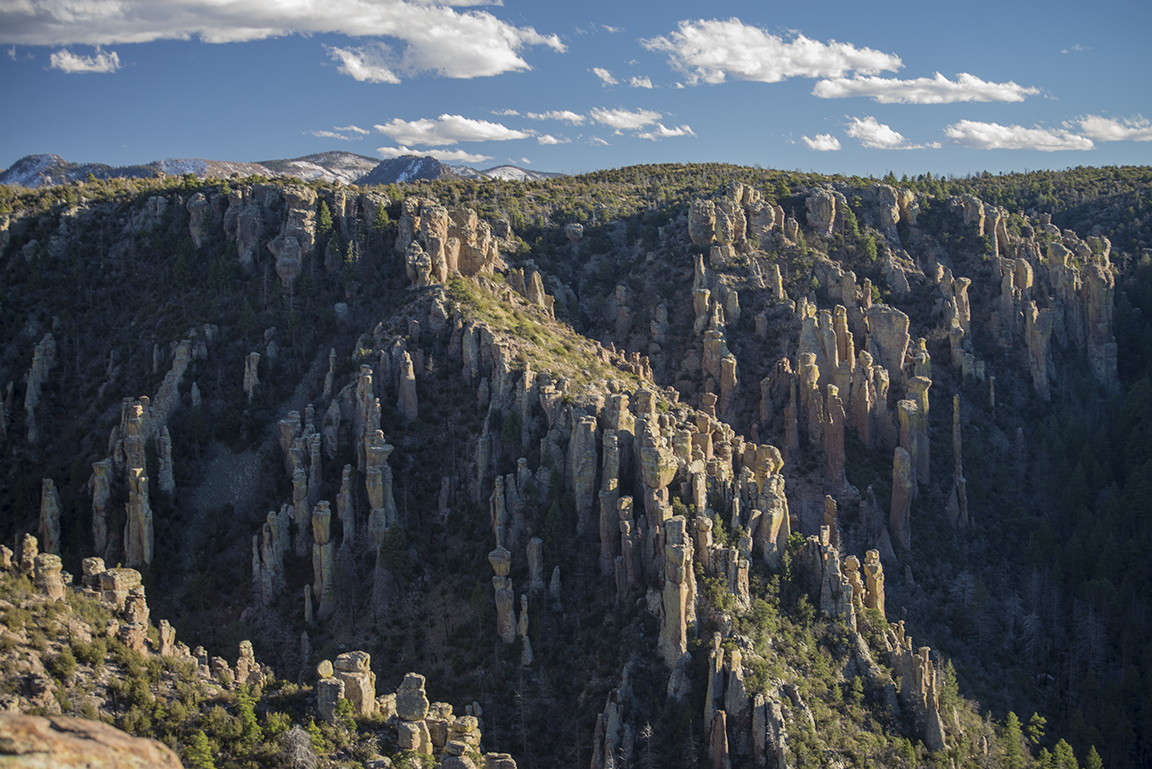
(63, 742)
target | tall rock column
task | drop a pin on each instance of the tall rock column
(873, 581)
(378, 484)
(138, 535)
(1038, 329)
(957, 506)
(100, 485)
(834, 439)
(50, 516)
(862, 397)
(406, 402)
(899, 525)
(251, 374)
(609, 496)
(501, 561)
(582, 458)
(909, 412)
(677, 586)
(323, 554)
(43, 359)
(918, 391)
(167, 480)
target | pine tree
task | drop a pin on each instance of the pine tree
(1013, 749)
(323, 219)
(199, 752)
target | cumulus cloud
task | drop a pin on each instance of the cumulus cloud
(605, 76)
(12, 53)
(505, 112)
(67, 61)
(457, 156)
(1104, 129)
(597, 141)
(448, 129)
(822, 143)
(923, 90)
(564, 115)
(876, 135)
(715, 50)
(640, 82)
(436, 38)
(549, 139)
(622, 119)
(993, 136)
(660, 132)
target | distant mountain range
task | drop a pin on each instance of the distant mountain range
(343, 167)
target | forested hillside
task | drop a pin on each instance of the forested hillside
(654, 466)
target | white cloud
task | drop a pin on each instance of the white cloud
(505, 112)
(436, 38)
(69, 62)
(661, 132)
(565, 115)
(332, 135)
(605, 76)
(714, 50)
(876, 135)
(12, 53)
(1104, 129)
(448, 129)
(597, 141)
(368, 64)
(1077, 49)
(549, 139)
(922, 90)
(458, 156)
(640, 82)
(822, 143)
(342, 133)
(993, 136)
(623, 119)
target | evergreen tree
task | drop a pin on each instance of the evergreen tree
(1013, 743)
(323, 219)
(199, 752)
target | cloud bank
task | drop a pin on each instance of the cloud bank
(447, 130)
(993, 136)
(822, 143)
(713, 51)
(923, 90)
(436, 38)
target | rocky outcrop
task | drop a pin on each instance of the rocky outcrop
(918, 686)
(448, 241)
(888, 342)
(47, 576)
(33, 742)
(821, 205)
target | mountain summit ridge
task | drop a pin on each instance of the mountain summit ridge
(47, 169)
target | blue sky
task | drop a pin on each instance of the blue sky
(854, 88)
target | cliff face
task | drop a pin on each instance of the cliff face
(323, 420)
